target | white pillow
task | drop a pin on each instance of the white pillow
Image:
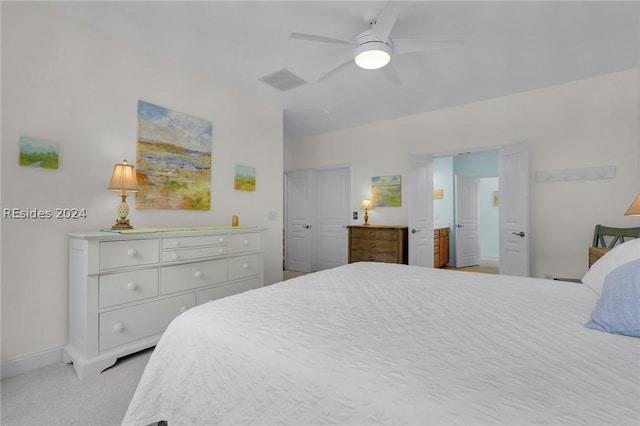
(619, 255)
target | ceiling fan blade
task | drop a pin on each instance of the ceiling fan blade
(392, 75)
(335, 71)
(410, 45)
(386, 20)
(321, 39)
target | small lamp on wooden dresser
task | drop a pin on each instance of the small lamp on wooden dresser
(371, 243)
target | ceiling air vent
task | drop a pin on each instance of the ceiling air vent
(283, 80)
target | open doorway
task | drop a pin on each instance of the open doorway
(469, 210)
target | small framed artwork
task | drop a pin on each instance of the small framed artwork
(244, 178)
(386, 191)
(437, 194)
(496, 199)
(38, 153)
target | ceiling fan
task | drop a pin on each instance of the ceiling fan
(374, 48)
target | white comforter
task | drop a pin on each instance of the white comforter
(373, 343)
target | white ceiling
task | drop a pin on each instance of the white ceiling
(508, 47)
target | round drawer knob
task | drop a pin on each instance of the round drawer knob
(175, 243)
(131, 252)
(198, 274)
(372, 234)
(245, 242)
(221, 239)
(118, 327)
(132, 286)
(175, 256)
(183, 309)
(372, 258)
(245, 265)
(372, 245)
(220, 250)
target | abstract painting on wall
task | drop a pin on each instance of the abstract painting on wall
(38, 153)
(173, 159)
(244, 178)
(386, 191)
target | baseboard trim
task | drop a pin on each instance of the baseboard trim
(31, 361)
(492, 261)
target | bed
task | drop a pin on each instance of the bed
(373, 343)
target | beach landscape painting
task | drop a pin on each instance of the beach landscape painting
(173, 159)
(38, 153)
(386, 191)
(244, 178)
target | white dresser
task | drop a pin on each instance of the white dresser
(125, 289)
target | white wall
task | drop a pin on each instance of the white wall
(592, 122)
(63, 81)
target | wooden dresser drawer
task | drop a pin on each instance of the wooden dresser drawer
(244, 266)
(225, 290)
(239, 243)
(126, 287)
(362, 256)
(136, 322)
(374, 234)
(119, 254)
(205, 240)
(193, 253)
(192, 275)
(375, 246)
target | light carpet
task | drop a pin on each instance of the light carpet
(54, 396)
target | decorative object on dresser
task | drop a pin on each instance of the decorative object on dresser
(378, 244)
(125, 288)
(366, 205)
(123, 179)
(440, 247)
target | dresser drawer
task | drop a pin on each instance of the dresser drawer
(244, 242)
(219, 292)
(374, 234)
(363, 256)
(375, 246)
(244, 266)
(119, 254)
(126, 287)
(192, 275)
(193, 253)
(137, 322)
(206, 240)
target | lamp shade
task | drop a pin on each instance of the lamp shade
(634, 208)
(123, 178)
(366, 204)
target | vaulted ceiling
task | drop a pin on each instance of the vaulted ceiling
(507, 47)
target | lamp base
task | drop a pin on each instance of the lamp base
(122, 223)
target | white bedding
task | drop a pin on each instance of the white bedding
(374, 343)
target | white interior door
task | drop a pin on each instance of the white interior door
(331, 191)
(513, 171)
(466, 216)
(421, 210)
(298, 223)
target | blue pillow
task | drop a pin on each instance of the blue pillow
(618, 310)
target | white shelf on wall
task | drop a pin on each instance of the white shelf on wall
(586, 173)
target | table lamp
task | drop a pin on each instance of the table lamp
(123, 179)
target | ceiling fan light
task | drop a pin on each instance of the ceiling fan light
(372, 59)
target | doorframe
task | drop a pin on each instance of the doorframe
(452, 153)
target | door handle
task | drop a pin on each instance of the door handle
(306, 226)
(414, 230)
(459, 226)
(520, 234)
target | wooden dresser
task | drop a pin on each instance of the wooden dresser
(378, 244)
(125, 289)
(440, 247)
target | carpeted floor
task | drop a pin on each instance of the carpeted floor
(53, 396)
